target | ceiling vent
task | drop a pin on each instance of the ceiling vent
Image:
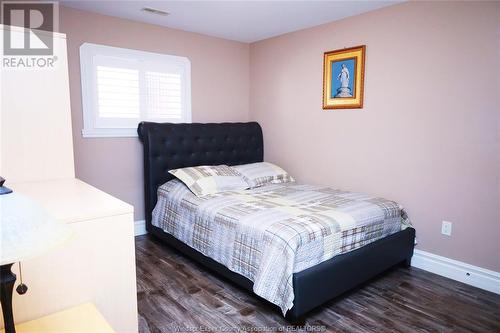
(155, 11)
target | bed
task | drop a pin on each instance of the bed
(171, 146)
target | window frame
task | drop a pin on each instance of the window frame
(92, 126)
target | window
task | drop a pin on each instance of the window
(122, 87)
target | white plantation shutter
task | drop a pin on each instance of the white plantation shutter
(164, 95)
(122, 87)
(118, 92)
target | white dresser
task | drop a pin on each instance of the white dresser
(97, 264)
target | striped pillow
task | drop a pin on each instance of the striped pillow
(262, 173)
(210, 179)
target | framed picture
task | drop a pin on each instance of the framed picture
(343, 78)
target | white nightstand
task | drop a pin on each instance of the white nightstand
(96, 265)
(84, 318)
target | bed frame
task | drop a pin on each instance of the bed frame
(169, 146)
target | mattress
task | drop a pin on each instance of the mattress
(269, 233)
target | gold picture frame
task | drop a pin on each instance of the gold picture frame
(343, 78)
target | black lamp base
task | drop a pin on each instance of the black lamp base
(7, 280)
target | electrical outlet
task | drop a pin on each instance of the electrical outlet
(446, 228)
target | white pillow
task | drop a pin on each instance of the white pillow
(262, 173)
(210, 179)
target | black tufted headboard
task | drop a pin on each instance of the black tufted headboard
(170, 146)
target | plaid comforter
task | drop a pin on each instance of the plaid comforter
(268, 233)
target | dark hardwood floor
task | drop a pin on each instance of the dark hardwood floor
(176, 295)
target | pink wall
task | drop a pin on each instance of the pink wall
(428, 135)
(220, 91)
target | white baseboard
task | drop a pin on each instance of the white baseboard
(457, 270)
(140, 228)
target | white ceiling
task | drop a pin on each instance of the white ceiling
(244, 21)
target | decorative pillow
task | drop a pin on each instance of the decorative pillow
(210, 179)
(261, 173)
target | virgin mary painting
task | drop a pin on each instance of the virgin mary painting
(343, 78)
